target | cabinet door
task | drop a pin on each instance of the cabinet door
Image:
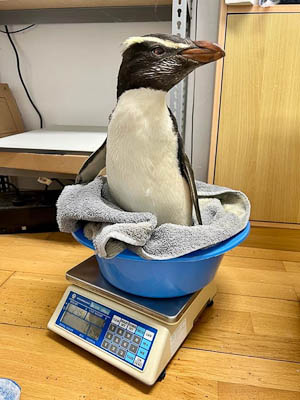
(10, 117)
(258, 148)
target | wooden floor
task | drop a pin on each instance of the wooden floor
(245, 347)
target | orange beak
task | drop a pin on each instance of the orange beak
(204, 52)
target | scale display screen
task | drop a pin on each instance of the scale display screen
(83, 321)
(115, 333)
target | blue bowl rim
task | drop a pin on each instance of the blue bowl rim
(202, 254)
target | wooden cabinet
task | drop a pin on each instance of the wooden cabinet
(256, 135)
(10, 117)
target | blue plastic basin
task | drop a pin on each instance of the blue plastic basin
(167, 278)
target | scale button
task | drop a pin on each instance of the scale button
(121, 353)
(117, 340)
(116, 319)
(124, 323)
(140, 331)
(131, 327)
(109, 336)
(146, 344)
(120, 331)
(137, 339)
(142, 353)
(128, 335)
(139, 362)
(105, 344)
(133, 348)
(125, 344)
(129, 357)
(112, 327)
(113, 348)
(149, 335)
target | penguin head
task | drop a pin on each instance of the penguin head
(160, 61)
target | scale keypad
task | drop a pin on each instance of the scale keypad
(130, 342)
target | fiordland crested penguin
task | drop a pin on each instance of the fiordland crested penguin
(147, 168)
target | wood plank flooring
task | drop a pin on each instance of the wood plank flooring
(245, 347)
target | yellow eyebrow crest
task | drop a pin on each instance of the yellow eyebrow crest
(165, 42)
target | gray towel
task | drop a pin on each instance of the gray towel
(225, 212)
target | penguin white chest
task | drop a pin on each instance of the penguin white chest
(142, 165)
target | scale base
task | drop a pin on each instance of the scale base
(137, 335)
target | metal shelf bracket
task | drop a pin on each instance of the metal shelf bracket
(181, 15)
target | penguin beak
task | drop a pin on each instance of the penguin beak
(203, 52)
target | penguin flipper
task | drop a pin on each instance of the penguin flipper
(189, 175)
(92, 166)
(186, 168)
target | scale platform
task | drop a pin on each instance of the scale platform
(136, 334)
(88, 276)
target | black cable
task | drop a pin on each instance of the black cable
(16, 189)
(4, 180)
(5, 184)
(20, 30)
(21, 78)
(58, 181)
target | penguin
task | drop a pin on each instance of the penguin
(146, 166)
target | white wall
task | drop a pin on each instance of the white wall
(70, 69)
(71, 73)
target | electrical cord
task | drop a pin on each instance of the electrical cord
(14, 187)
(20, 74)
(19, 30)
(58, 181)
(19, 200)
(4, 180)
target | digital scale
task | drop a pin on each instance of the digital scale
(138, 335)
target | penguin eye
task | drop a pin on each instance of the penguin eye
(158, 51)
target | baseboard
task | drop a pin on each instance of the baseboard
(273, 238)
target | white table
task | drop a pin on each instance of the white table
(56, 150)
